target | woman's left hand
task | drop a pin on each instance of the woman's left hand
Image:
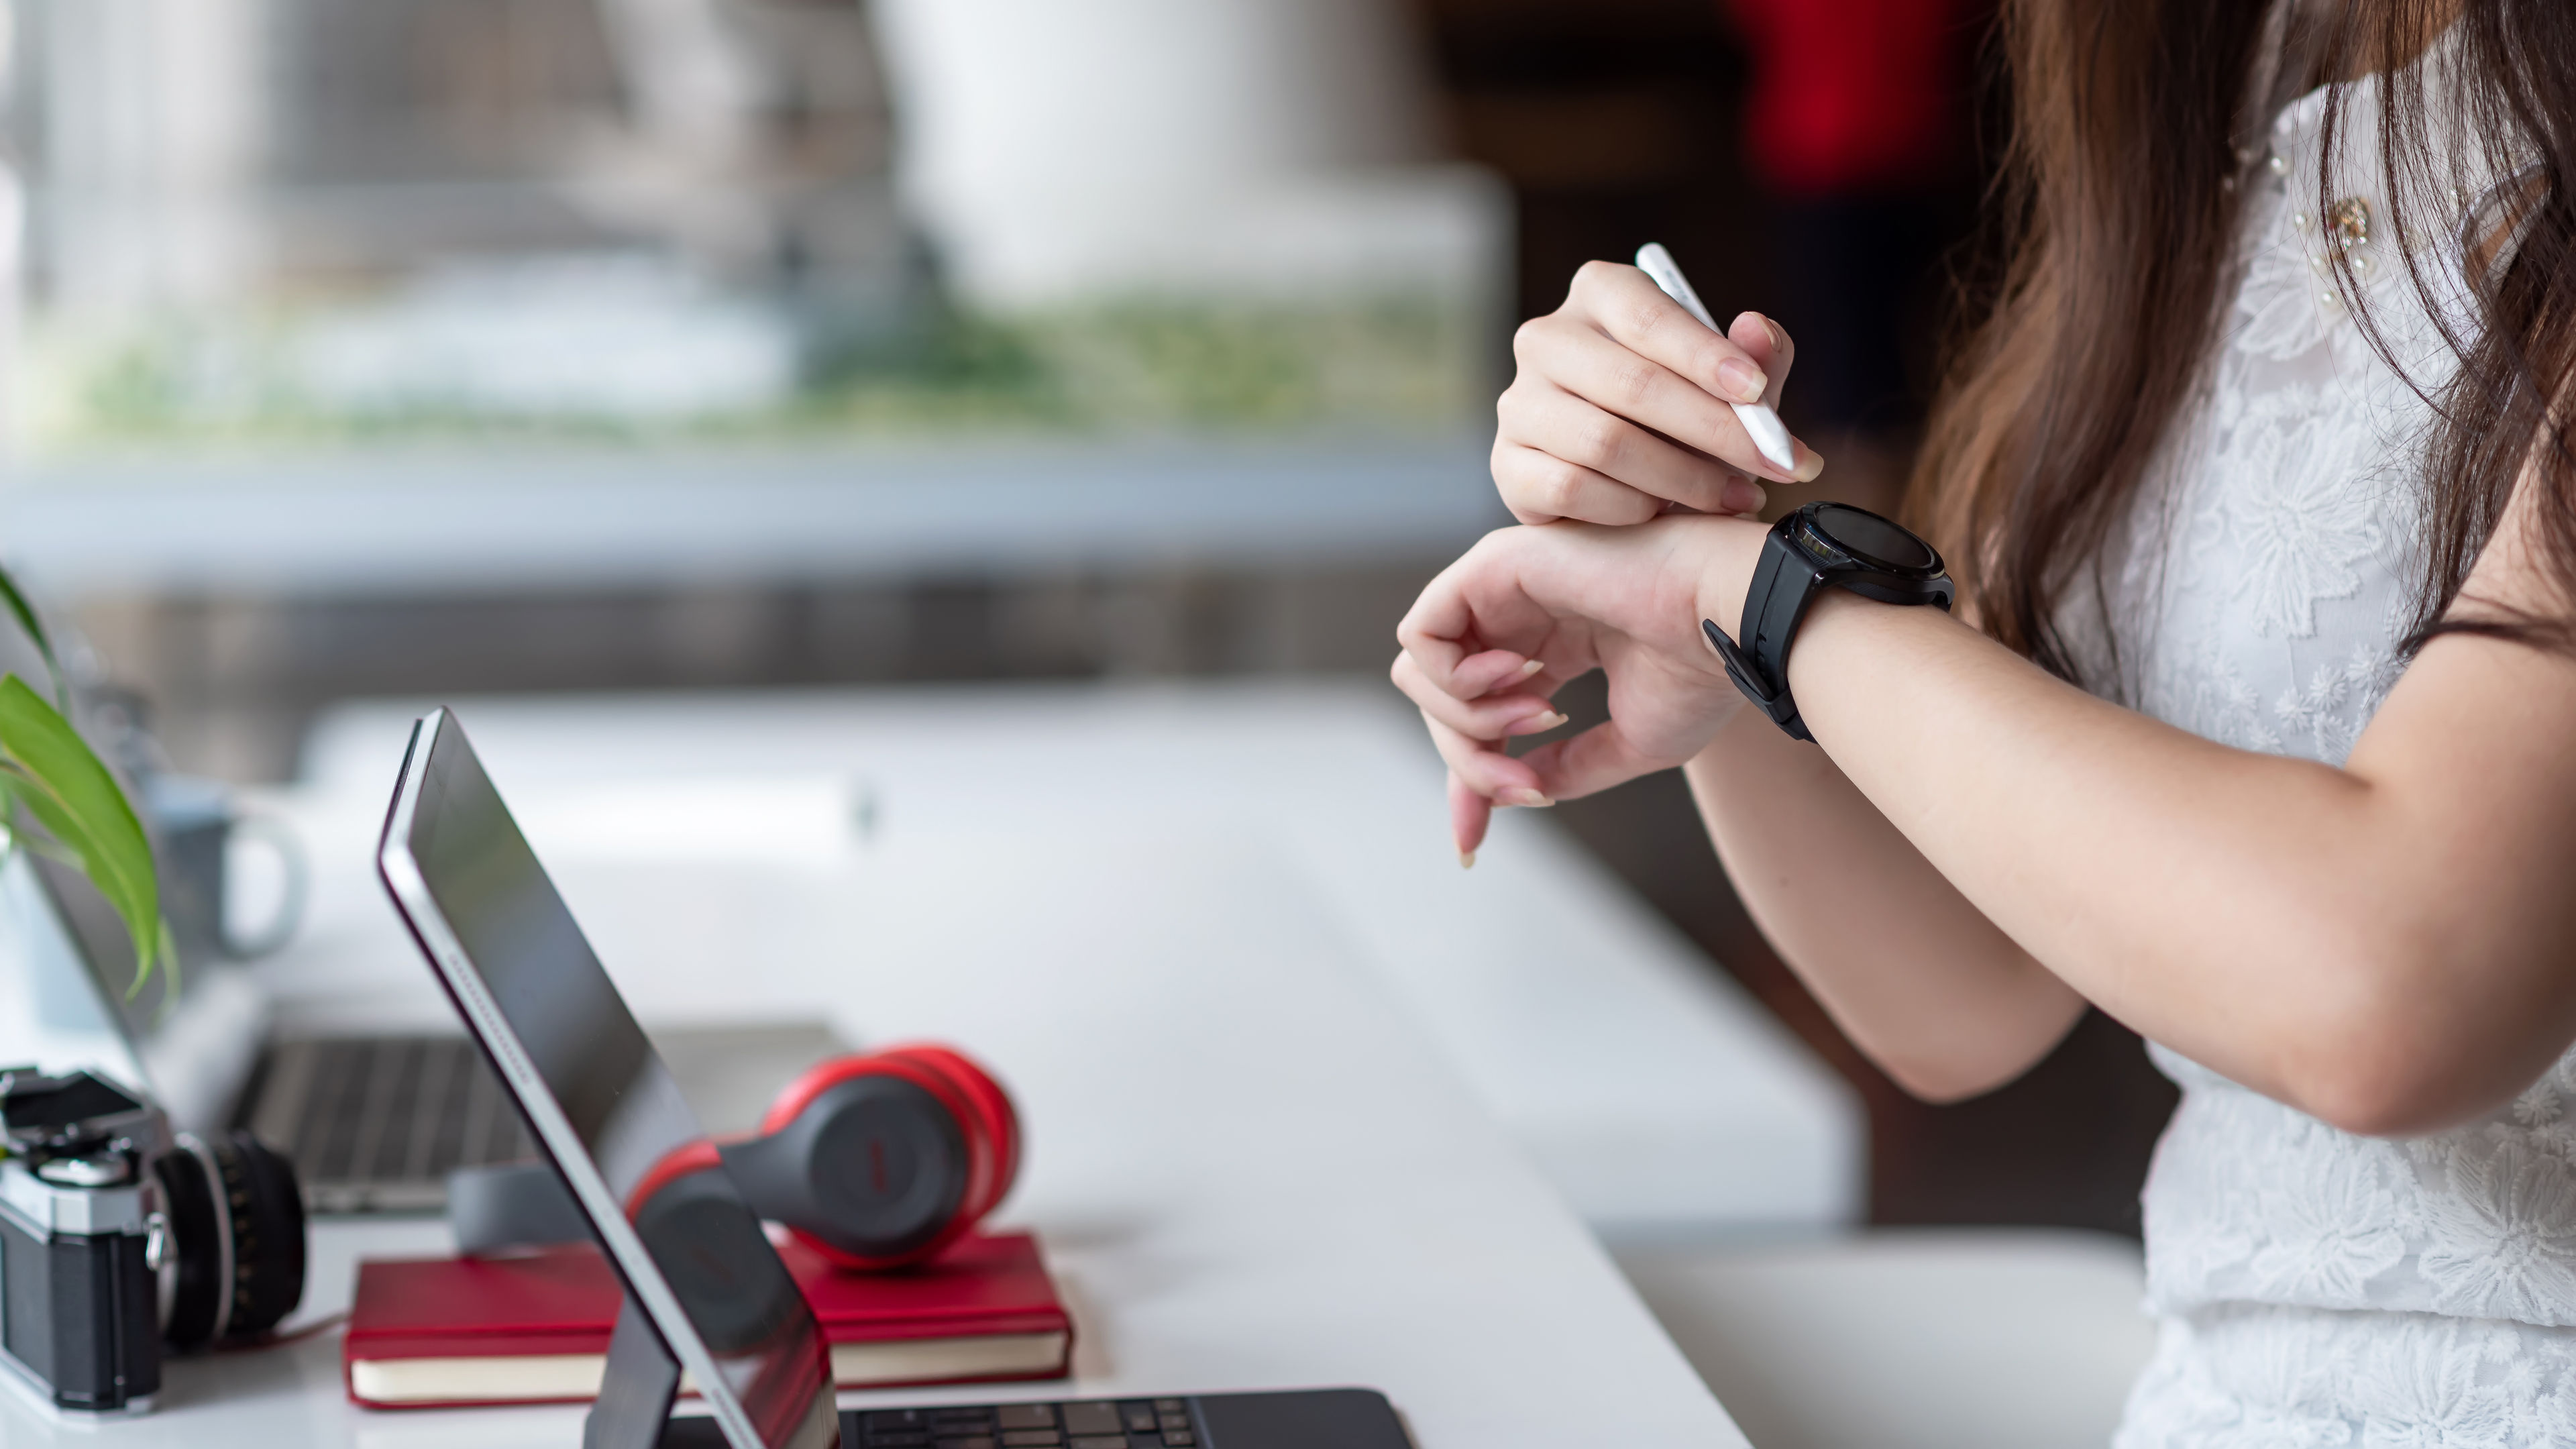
(1528, 609)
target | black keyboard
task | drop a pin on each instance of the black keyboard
(1296, 1419)
(1082, 1424)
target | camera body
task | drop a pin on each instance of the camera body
(120, 1238)
(80, 1242)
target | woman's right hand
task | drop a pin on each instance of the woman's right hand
(1619, 409)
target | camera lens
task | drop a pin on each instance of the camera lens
(237, 1235)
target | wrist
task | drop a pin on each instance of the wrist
(1726, 573)
(1817, 556)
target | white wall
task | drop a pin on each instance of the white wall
(153, 122)
(1060, 149)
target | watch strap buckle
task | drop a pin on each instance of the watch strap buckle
(1772, 699)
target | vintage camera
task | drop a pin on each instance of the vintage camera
(119, 1238)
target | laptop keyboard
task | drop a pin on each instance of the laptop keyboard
(375, 1124)
(1347, 1418)
(1093, 1424)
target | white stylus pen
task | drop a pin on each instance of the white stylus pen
(1758, 419)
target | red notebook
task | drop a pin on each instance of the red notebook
(442, 1332)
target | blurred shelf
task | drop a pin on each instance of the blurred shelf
(482, 522)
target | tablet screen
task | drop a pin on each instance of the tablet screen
(564, 1031)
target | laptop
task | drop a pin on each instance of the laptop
(374, 1122)
(54, 1017)
(705, 1291)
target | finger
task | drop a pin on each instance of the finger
(1493, 717)
(1769, 344)
(1485, 769)
(1628, 308)
(1432, 634)
(1540, 487)
(1624, 304)
(1592, 761)
(1469, 814)
(1755, 512)
(1605, 445)
(1475, 675)
(1763, 338)
(1446, 625)
(1635, 375)
(1480, 674)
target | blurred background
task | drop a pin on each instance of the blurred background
(357, 347)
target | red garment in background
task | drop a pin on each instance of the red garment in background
(1853, 95)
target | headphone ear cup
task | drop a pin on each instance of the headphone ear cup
(995, 1119)
(975, 1122)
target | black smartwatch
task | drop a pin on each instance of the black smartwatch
(1821, 546)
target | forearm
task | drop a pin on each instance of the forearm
(2203, 895)
(2275, 919)
(1927, 987)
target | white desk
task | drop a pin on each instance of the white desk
(1658, 1098)
(1247, 1170)
(1250, 1165)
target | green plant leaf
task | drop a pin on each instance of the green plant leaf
(169, 947)
(32, 801)
(40, 822)
(51, 775)
(25, 613)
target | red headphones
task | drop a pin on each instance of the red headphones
(879, 1160)
(884, 1159)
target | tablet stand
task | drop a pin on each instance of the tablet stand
(636, 1392)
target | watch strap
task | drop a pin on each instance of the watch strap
(1785, 584)
(1776, 703)
(1786, 581)
(1773, 604)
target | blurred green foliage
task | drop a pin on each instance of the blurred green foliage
(1158, 365)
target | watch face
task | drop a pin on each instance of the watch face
(1873, 539)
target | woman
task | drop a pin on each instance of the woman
(2255, 724)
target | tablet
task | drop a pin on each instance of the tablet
(599, 1101)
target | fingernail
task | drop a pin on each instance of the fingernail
(1779, 339)
(1526, 799)
(1532, 667)
(1466, 860)
(1811, 467)
(1742, 379)
(1537, 724)
(1740, 497)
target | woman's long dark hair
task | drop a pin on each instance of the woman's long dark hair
(2135, 124)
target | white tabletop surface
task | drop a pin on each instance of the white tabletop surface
(1247, 1169)
(1249, 1162)
(1658, 1097)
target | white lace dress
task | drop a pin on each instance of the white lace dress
(2314, 1287)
